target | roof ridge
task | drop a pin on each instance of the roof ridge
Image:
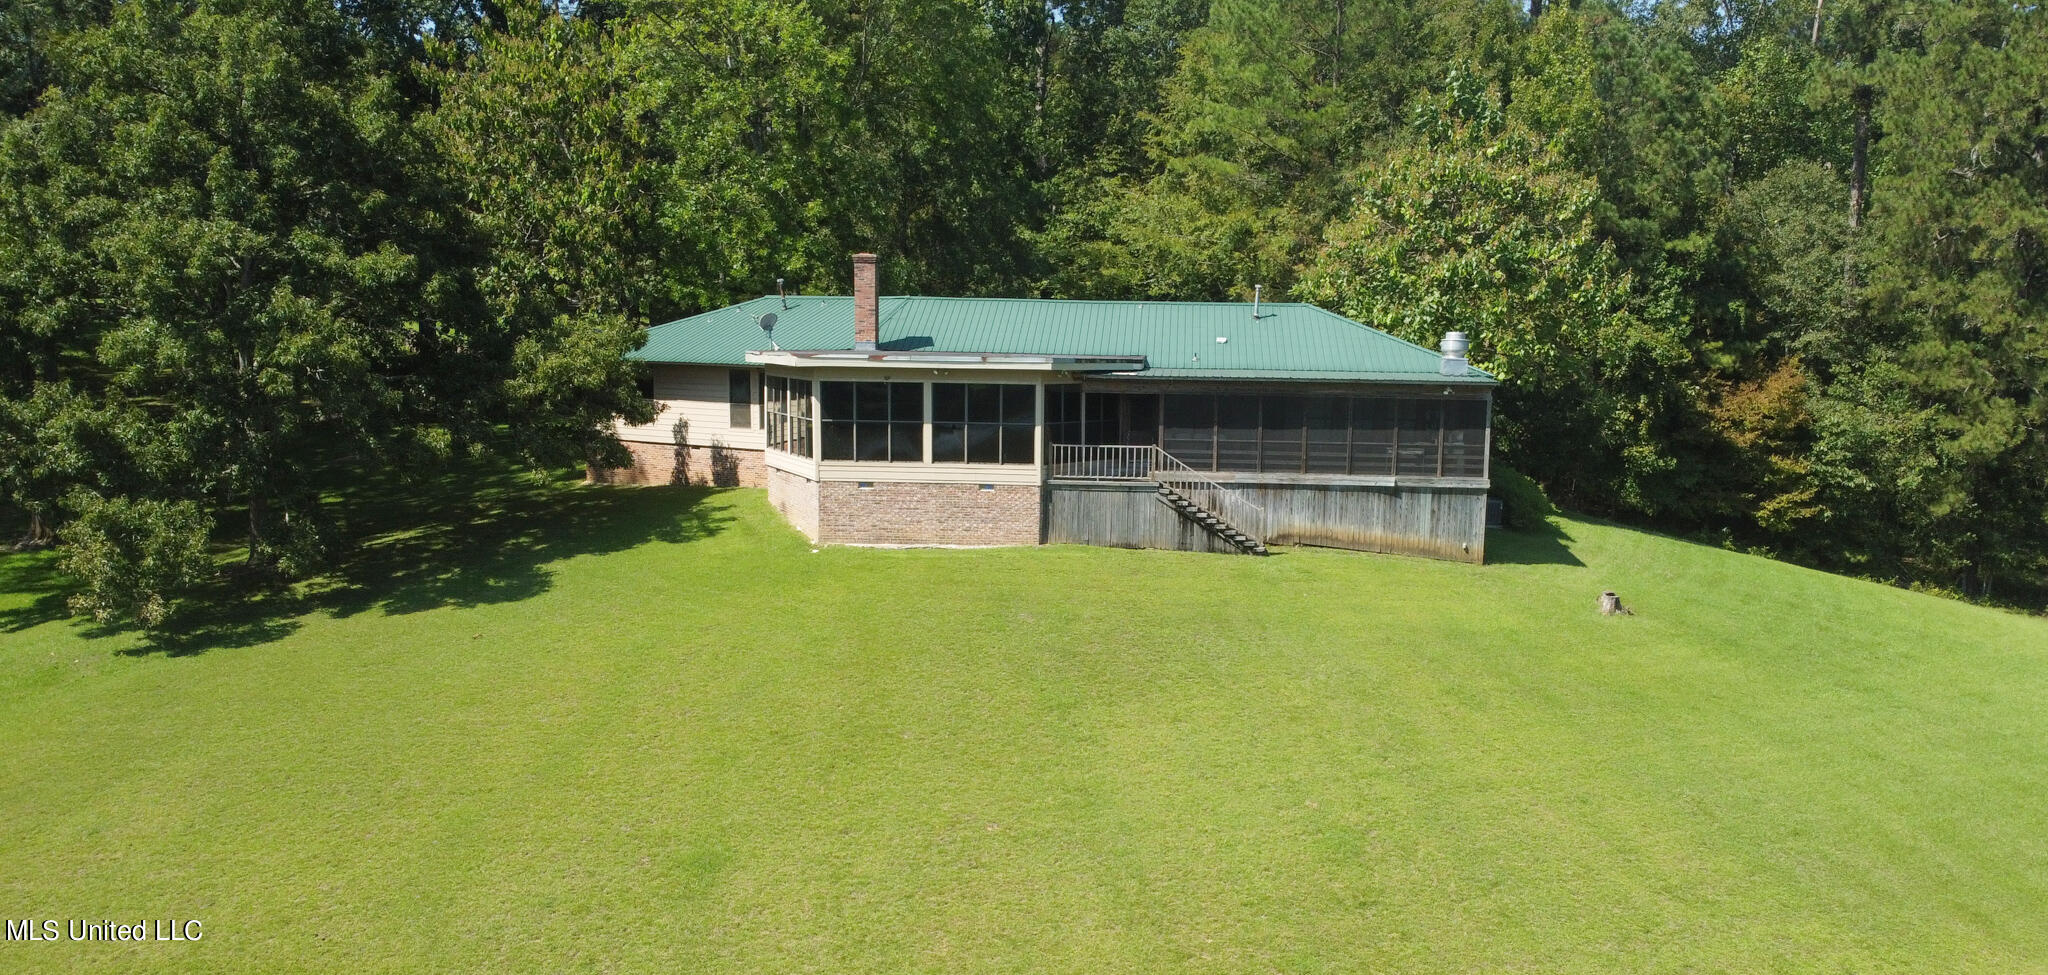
(1348, 320)
(1069, 301)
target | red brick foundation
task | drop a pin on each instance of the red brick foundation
(661, 463)
(895, 513)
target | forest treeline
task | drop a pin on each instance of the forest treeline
(1768, 272)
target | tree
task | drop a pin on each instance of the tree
(1271, 104)
(554, 162)
(1473, 232)
(241, 252)
(1959, 253)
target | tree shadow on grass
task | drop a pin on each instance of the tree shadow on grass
(33, 575)
(476, 536)
(212, 625)
(496, 547)
(1543, 544)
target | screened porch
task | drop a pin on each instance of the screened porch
(1374, 434)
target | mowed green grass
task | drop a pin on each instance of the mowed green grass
(616, 730)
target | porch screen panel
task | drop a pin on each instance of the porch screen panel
(984, 426)
(949, 422)
(1191, 429)
(906, 421)
(871, 416)
(1419, 449)
(1280, 434)
(1020, 424)
(872, 421)
(1102, 418)
(1141, 420)
(983, 423)
(1373, 426)
(800, 418)
(1465, 438)
(1237, 433)
(788, 411)
(1063, 414)
(1329, 435)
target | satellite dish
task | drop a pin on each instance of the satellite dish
(767, 322)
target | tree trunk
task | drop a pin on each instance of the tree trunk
(1610, 605)
(1971, 581)
(1337, 49)
(1816, 21)
(1859, 158)
(1535, 9)
(259, 512)
(1041, 83)
(39, 533)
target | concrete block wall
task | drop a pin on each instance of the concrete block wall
(895, 513)
(796, 496)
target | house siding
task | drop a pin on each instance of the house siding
(693, 409)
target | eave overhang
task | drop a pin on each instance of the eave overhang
(1004, 361)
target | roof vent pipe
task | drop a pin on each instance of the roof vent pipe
(1454, 346)
(779, 293)
(1255, 300)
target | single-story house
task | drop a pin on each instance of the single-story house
(1205, 426)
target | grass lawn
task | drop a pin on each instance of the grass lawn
(598, 729)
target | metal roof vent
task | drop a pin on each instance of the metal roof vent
(1454, 346)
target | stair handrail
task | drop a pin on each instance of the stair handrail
(1228, 504)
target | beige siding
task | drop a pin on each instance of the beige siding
(693, 407)
(803, 467)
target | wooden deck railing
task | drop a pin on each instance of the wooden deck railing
(1101, 461)
(1117, 462)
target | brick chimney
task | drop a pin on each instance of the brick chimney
(867, 305)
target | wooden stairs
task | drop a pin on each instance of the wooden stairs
(1210, 521)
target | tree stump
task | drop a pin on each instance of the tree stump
(1610, 605)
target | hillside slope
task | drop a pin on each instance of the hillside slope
(630, 730)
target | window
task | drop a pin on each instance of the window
(1063, 414)
(644, 382)
(984, 423)
(872, 421)
(788, 412)
(740, 395)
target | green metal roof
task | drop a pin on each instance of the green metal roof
(1178, 339)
